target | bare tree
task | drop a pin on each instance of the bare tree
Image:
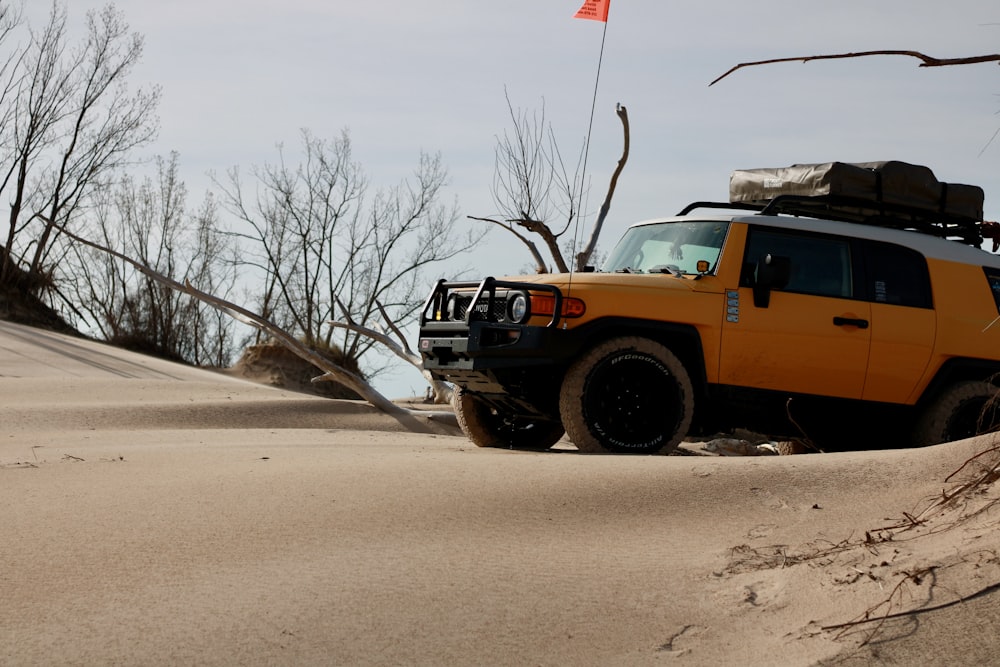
(211, 264)
(69, 122)
(317, 237)
(535, 193)
(148, 221)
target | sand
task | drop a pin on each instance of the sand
(155, 514)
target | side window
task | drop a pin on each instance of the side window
(896, 275)
(993, 277)
(820, 265)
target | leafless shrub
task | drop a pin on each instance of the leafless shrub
(312, 234)
(148, 220)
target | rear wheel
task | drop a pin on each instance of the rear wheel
(487, 427)
(629, 395)
(963, 410)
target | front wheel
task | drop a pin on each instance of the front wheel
(629, 395)
(963, 410)
(486, 426)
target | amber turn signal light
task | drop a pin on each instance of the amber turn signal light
(545, 305)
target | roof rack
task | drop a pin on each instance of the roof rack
(891, 194)
(843, 209)
(878, 214)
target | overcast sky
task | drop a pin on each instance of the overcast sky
(240, 76)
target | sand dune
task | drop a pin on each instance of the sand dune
(158, 514)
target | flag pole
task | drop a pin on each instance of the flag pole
(595, 10)
(586, 149)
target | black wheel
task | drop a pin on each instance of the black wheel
(629, 395)
(486, 427)
(963, 410)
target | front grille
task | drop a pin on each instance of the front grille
(496, 314)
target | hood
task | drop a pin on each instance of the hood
(568, 282)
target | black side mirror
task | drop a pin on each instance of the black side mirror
(773, 272)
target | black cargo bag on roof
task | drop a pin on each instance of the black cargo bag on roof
(860, 191)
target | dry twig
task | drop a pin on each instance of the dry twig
(869, 615)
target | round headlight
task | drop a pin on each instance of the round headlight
(518, 308)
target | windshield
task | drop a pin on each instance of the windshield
(669, 247)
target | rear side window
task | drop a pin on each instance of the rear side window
(897, 276)
(993, 277)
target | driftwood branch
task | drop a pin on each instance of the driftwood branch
(331, 370)
(551, 240)
(393, 328)
(926, 61)
(532, 248)
(400, 348)
(584, 256)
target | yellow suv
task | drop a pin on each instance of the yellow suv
(850, 304)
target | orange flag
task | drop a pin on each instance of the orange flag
(595, 10)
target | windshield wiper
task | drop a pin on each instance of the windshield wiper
(672, 269)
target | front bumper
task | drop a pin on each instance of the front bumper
(481, 345)
(482, 353)
(515, 368)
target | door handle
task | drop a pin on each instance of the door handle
(850, 322)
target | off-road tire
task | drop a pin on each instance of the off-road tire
(485, 427)
(627, 395)
(963, 410)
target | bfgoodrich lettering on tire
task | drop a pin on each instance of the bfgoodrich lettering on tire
(963, 410)
(628, 395)
(486, 427)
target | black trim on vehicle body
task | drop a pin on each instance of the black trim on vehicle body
(681, 338)
(957, 370)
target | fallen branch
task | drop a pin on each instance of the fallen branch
(401, 348)
(331, 370)
(926, 61)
